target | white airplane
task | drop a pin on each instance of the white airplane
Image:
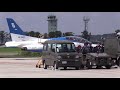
(19, 39)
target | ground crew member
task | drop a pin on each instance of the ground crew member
(90, 48)
(40, 63)
(78, 49)
(85, 50)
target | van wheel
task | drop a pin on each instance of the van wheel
(36, 66)
(77, 68)
(44, 65)
(82, 66)
(65, 68)
(108, 66)
(118, 62)
(55, 66)
(88, 65)
(39, 66)
(98, 67)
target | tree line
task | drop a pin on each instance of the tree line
(4, 37)
(49, 35)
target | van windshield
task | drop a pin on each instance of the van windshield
(65, 48)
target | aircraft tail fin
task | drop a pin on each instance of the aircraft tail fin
(16, 32)
(14, 28)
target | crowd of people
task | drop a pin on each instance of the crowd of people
(87, 48)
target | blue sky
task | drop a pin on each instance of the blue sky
(100, 22)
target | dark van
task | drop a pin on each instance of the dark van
(60, 54)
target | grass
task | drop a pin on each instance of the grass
(9, 50)
(17, 52)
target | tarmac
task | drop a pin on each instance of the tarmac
(25, 68)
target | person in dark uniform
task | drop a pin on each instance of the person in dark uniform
(102, 48)
(90, 48)
(65, 48)
(78, 49)
(85, 50)
(98, 49)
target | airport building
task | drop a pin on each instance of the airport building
(52, 23)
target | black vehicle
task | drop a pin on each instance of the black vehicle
(99, 60)
(60, 54)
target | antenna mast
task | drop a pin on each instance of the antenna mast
(86, 20)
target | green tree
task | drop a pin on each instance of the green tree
(32, 33)
(45, 35)
(52, 34)
(2, 36)
(68, 34)
(27, 33)
(117, 31)
(86, 35)
(36, 34)
(58, 33)
(7, 37)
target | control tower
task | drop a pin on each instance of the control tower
(52, 23)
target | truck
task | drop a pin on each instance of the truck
(100, 57)
(112, 47)
(97, 59)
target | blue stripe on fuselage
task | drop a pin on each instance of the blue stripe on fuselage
(62, 38)
(59, 38)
